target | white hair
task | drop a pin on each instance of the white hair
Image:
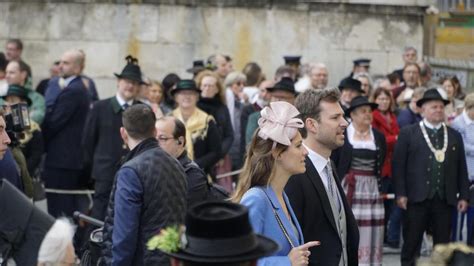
(233, 77)
(316, 66)
(54, 245)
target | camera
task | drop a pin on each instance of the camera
(17, 121)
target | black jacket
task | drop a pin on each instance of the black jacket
(244, 119)
(197, 180)
(63, 125)
(164, 198)
(102, 144)
(311, 205)
(411, 166)
(208, 149)
(219, 111)
(342, 156)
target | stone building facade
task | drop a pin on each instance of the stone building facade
(167, 35)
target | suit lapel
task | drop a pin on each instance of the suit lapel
(313, 175)
(281, 214)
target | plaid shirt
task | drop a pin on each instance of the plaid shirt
(465, 126)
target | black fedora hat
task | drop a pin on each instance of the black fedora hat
(365, 62)
(359, 101)
(185, 85)
(292, 60)
(19, 91)
(431, 95)
(198, 66)
(285, 84)
(131, 70)
(352, 84)
(220, 232)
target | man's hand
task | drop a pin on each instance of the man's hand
(462, 206)
(402, 202)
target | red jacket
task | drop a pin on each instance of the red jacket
(390, 131)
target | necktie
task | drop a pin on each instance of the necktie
(332, 187)
(125, 106)
(62, 83)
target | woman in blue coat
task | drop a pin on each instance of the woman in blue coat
(275, 153)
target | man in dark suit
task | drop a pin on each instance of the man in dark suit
(316, 196)
(429, 170)
(102, 143)
(62, 131)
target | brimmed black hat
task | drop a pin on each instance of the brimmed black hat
(185, 85)
(19, 91)
(220, 232)
(131, 71)
(292, 59)
(198, 66)
(359, 101)
(431, 95)
(352, 84)
(362, 62)
(285, 84)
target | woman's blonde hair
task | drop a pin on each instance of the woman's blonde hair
(220, 88)
(259, 165)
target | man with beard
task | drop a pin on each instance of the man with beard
(102, 143)
(63, 124)
(316, 196)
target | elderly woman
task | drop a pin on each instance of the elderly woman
(203, 141)
(365, 83)
(359, 161)
(213, 102)
(454, 108)
(56, 248)
(236, 99)
(274, 155)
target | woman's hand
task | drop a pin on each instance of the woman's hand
(300, 255)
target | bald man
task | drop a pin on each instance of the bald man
(62, 130)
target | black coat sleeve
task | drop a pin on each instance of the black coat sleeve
(212, 143)
(295, 192)
(400, 161)
(227, 132)
(90, 136)
(33, 151)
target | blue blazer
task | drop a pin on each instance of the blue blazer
(264, 222)
(63, 125)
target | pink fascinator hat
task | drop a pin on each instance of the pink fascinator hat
(279, 122)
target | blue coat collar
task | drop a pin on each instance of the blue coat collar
(296, 240)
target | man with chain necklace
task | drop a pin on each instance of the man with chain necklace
(430, 174)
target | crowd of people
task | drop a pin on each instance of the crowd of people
(315, 165)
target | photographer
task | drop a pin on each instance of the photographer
(31, 141)
(8, 168)
(20, 131)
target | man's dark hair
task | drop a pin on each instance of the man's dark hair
(139, 121)
(18, 43)
(3, 62)
(179, 130)
(308, 104)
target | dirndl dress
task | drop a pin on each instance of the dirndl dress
(361, 187)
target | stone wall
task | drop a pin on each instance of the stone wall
(167, 36)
